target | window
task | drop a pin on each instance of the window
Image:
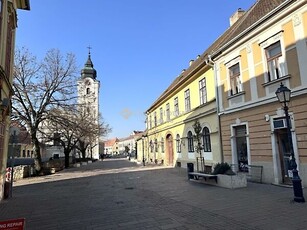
(187, 101)
(168, 114)
(151, 144)
(190, 142)
(150, 122)
(273, 55)
(161, 115)
(176, 106)
(88, 90)
(156, 145)
(24, 153)
(202, 91)
(155, 119)
(206, 140)
(178, 146)
(162, 145)
(235, 82)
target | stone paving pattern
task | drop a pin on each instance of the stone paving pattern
(118, 194)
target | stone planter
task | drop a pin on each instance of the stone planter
(234, 181)
(227, 181)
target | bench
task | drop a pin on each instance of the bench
(197, 175)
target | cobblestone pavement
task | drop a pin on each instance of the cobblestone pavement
(118, 194)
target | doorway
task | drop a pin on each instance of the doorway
(284, 154)
(170, 150)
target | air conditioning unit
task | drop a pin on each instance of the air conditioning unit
(280, 123)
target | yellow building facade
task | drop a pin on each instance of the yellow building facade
(8, 25)
(169, 138)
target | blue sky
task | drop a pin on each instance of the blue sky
(138, 46)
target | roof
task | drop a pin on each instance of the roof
(254, 14)
(110, 142)
(88, 70)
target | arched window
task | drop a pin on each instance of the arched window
(206, 140)
(190, 142)
(178, 146)
(88, 90)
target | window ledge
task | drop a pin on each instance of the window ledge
(236, 95)
(276, 80)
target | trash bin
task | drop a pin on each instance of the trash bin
(190, 167)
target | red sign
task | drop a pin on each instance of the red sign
(16, 224)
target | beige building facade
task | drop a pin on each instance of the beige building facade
(266, 48)
(8, 25)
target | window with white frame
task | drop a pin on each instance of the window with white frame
(273, 55)
(235, 81)
(162, 145)
(206, 139)
(190, 142)
(156, 145)
(161, 115)
(155, 118)
(168, 112)
(178, 145)
(150, 122)
(151, 144)
(176, 106)
(202, 91)
(187, 101)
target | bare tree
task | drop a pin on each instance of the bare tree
(89, 131)
(72, 128)
(39, 87)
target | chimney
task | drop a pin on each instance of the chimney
(235, 17)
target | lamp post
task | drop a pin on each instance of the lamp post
(283, 94)
(143, 150)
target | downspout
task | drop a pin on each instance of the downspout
(212, 63)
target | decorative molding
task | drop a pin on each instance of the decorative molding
(296, 20)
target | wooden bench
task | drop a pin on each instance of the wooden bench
(197, 175)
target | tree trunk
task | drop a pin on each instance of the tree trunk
(66, 153)
(37, 154)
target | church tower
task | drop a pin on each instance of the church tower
(88, 95)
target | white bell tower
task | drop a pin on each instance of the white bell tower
(88, 95)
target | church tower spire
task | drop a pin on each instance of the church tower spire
(88, 70)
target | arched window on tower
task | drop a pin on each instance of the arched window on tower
(88, 90)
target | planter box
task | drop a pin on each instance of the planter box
(235, 181)
(226, 181)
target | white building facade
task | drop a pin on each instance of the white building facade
(88, 96)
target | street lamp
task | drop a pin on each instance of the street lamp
(143, 150)
(283, 94)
